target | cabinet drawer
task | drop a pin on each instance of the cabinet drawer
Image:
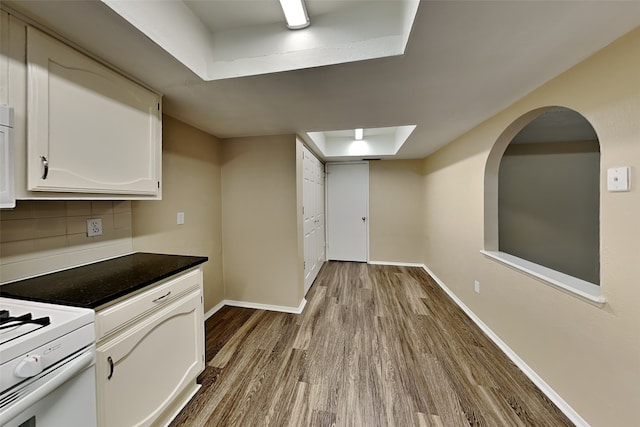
(136, 307)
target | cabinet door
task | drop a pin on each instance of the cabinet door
(90, 129)
(141, 371)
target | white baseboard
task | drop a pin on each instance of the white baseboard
(528, 371)
(398, 264)
(245, 304)
(214, 310)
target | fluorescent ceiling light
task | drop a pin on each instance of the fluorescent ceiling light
(295, 13)
(359, 134)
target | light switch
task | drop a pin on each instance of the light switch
(618, 179)
(180, 218)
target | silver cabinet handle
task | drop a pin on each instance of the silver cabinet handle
(45, 164)
(159, 299)
(110, 360)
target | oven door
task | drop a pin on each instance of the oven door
(63, 397)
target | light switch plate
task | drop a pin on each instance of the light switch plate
(618, 179)
(180, 218)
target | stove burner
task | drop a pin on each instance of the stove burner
(7, 321)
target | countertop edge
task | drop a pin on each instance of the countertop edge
(63, 288)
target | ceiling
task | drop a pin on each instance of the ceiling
(464, 62)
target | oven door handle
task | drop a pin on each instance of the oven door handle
(59, 376)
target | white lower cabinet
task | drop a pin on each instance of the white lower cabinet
(146, 372)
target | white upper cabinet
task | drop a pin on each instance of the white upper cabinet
(90, 130)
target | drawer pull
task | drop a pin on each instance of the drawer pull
(159, 299)
(110, 360)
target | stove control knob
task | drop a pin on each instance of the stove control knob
(29, 366)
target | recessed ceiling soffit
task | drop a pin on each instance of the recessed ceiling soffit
(376, 142)
(215, 41)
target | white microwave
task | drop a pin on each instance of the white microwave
(7, 189)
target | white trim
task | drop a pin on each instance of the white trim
(257, 306)
(216, 308)
(573, 286)
(398, 264)
(528, 371)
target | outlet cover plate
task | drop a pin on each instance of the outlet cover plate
(94, 227)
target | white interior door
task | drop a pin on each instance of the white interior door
(313, 214)
(347, 211)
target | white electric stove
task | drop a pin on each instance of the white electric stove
(47, 358)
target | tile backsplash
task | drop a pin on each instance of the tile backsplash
(41, 236)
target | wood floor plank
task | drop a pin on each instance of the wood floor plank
(375, 346)
(221, 359)
(313, 312)
(220, 328)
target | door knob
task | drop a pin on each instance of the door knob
(364, 218)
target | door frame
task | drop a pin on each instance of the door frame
(326, 204)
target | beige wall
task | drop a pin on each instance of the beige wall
(396, 207)
(589, 355)
(191, 169)
(259, 218)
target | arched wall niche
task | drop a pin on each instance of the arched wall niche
(542, 197)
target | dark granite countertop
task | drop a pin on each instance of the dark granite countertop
(96, 284)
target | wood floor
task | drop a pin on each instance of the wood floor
(375, 346)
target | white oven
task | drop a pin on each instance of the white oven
(47, 365)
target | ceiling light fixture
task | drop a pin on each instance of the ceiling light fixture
(359, 134)
(295, 13)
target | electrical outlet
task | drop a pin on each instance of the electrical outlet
(94, 227)
(476, 286)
